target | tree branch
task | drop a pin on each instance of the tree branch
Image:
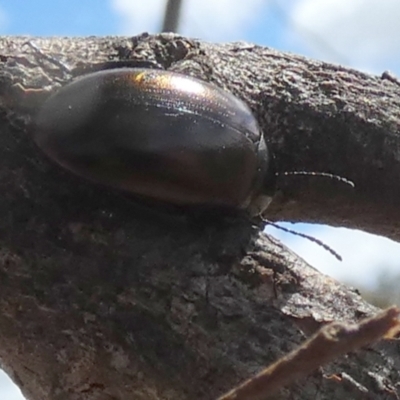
(102, 299)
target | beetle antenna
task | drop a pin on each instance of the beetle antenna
(303, 235)
(324, 174)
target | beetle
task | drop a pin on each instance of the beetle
(160, 135)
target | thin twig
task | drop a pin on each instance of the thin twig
(327, 344)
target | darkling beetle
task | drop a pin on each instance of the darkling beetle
(163, 136)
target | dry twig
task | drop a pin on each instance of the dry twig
(327, 344)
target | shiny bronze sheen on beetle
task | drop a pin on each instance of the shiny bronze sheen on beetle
(161, 135)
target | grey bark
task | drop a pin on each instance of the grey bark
(101, 299)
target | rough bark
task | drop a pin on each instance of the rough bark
(102, 299)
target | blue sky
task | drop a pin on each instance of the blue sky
(363, 34)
